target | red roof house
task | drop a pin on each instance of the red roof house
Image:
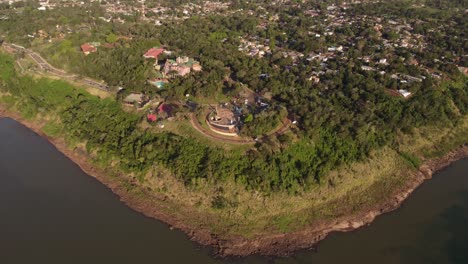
(88, 48)
(153, 53)
(151, 118)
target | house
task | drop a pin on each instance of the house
(196, 67)
(151, 117)
(463, 70)
(42, 33)
(223, 121)
(171, 68)
(404, 93)
(383, 61)
(367, 68)
(138, 100)
(181, 66)
(153, 53)
(412, 78)
(88, 48)
(314, 79)
(413, 61)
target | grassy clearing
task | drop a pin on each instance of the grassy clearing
(434, 141)
(412, 159)
(94, 91)
(185, 128)
(219, 97)
(97, 92)
(7, 100)
(346, 188)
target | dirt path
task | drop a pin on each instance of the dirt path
(212, 135)
(281, 129)
(19, 64)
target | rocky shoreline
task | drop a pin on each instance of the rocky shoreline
(271, 244)
(285, 244)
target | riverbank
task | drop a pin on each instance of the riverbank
(275, 244)
(287, 243)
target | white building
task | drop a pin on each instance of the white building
(404, 93)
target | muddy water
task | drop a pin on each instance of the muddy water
(51, 212)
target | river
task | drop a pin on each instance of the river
(52, 212)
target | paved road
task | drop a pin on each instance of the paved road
(45, 66)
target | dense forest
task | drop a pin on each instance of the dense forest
(106, 128)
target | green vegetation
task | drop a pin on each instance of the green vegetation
(341, 119)
(413, 160)
(354, 137)
(52, 129)
(112, 138)
(110, 131)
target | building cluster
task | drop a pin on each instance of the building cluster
(170, 68)
(391, 35)
(254, 47)
(181, 66)
(204, 8)
(222, 120)
(117, 11)
(329, 33)
(227, 118)
(46, 4)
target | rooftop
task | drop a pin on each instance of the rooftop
(88, 48)
(153, 53)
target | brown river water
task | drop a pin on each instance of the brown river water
(52, 212)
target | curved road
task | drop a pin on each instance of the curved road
(203, 131)
(45, 66)
(285, 124)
